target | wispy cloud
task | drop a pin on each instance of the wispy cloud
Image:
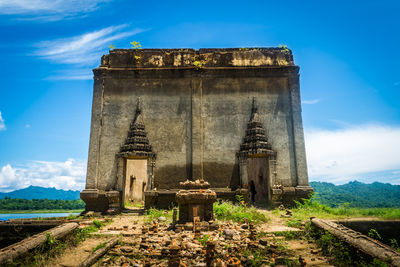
(353, 152)
(84, 49)
(2, 123)
(75, 74)
(48, 10)
(310, 102)
(61, 175)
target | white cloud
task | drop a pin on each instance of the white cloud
(2, 123)
(27, 126)
(310, 102)
(85, 48)
(353, 153)
(61, 175)
(48, 10)
(75, 74)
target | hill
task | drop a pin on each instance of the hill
(37, 192)
(357, 194)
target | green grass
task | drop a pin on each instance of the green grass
(39, 211)
(203, 240)
(99, 246)
(154, 214)
(312, 208)
(226, 211)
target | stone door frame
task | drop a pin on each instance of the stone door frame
(121, 174)
(271, 172)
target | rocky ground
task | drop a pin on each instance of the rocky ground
(231, 244)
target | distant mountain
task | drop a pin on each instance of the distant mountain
(37, 192)
(357, 194)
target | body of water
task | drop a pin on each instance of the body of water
(8, 216)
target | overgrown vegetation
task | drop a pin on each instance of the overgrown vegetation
(283, 48)
(339, 252)
(224, 210)
(53, 247)
(154, 214)
(13, 204)
(198, 64)
(136, 46)
(313, 208)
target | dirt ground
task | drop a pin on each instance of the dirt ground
(73, 256)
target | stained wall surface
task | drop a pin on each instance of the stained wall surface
(196, 117)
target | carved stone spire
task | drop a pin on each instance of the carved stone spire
(255, 142)
(137, 143)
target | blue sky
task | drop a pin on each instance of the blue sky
(348, 53)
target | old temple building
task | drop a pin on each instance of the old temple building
(231, 117)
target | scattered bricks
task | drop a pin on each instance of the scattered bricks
(302, 261)
(126, 249)
(210, 252)
(143, 243)
(253, 232)
(154, 227)
(196, 226)
(263, 241)
(233, 262)
(244, 226)
(161, 219)
(228, 233)
(174, 259)
(289, 212)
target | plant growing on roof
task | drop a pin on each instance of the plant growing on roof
(136, 46)
(283, 48)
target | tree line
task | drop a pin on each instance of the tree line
(40, 204)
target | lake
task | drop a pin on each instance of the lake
(8, 216)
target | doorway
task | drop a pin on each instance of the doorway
(135, 182)
(258, 179)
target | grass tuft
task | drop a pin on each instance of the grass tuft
(236, 212)
(154, 214)
(99, 246)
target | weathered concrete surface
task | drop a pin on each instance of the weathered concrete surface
(195, 116)
(387, 229)
(15, 231)
(361, 242)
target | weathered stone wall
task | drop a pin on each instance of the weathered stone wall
(196, 117)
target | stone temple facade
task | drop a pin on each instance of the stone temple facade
(229, 116)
